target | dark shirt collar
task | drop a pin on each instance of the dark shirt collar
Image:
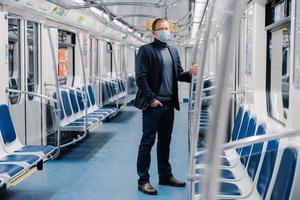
(159, 43)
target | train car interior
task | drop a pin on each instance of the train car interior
(80, 83)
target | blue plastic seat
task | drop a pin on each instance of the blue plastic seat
(242, 132)
(285, 176)
(91, 98)
(98, 115)
(9, 135)
(237, 123)
(11, 169)
(29, 159)
(225, 189)
(267, 168)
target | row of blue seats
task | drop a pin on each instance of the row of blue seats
(258, 171)
(132, 88)
(115, 90)
(17, 160)
(73, 110)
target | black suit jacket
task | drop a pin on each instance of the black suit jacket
(149, 70)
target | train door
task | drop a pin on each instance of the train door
(278, 25)
(23, 37)
(16, 67)
(33, 106)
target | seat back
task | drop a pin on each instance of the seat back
(73, 99)
(238, 122)
(88, 101)
(244, 128)
(256, 152)
(80, 98)
(267, 168)
(66, 103)
(245, 152)
(91, 95)
(285, 176)
(6, 125)
(108, 89)
(62, 114)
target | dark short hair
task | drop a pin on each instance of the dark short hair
(156, 21)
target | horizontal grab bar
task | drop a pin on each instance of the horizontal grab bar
(31, 94)
(64, 87)
(254, 140)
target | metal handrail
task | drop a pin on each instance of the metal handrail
(84, 92)
(194, 129)
(64, 87)
(31, 94)
(102, 79)
(58, 104)
(253, 140)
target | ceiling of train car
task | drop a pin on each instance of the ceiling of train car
(139, 15)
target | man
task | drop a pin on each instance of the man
(158, 70)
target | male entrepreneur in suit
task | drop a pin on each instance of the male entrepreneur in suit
(158, 70)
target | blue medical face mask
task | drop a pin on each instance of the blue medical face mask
(163, 35)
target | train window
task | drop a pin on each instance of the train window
(249, 38)
(94, 54)
(32, 57)
(66, 57)
(109, 58)
(95, 58)
(91, 58)
(14, 58)
(278, 60)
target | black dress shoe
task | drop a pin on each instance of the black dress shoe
(147, 189)
(171, 182)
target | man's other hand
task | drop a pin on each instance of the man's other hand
(155, 104)
(193, 70)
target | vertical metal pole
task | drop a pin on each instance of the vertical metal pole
(84, 85)
(58, 109)
(217, 132)
(199, 86)
(194, 79)
(116, 82)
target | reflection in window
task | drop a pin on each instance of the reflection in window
(14, 59)
(66, 57)
(95, 58)
(108, 59)
(94, 66)
(278, 59)
(279, 53)
(249, 39)
(32, 51)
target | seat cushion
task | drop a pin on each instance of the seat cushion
(10, 169)
(109, 110)
(225, 189)
(200, 160)
(226, 174)
(36, 148)
(30, 159)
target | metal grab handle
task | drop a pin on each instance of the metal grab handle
(254, 140)
(63, 87)
(31, 94)
(102, 79)
(241, 92)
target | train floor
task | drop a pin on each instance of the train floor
(103, 166)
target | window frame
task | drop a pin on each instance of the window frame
(272, 26)
(11, 72)
(72, 44)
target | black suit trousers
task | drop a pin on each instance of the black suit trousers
(158, 121)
